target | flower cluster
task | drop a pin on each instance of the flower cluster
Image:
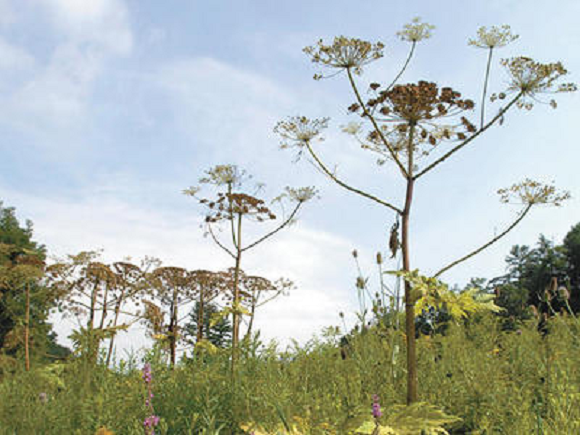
(377, 413)
(345, 53)
(298, 131)
(422, 105)
(415, 102)
(416, 31)
(494, 37)
(221, 175)
(151, 421)
(532, 192)
(532, 78)
(297, 194)
(229, 205)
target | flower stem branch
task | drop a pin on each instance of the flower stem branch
(346, 186)
(375, 124)
(274, 231)
(469, 139)
(485, 82)
(488, 244)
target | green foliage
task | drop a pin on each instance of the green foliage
(416, 419)
(217, 328)
(21, 264)
(496, 381)
(429, 292)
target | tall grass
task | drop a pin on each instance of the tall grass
(497, 382)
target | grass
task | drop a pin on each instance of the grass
(497, 382)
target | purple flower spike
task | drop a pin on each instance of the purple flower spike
(377, 413)
(150, 422)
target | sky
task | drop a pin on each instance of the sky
(110, 108)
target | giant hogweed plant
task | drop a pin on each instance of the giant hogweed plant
(404, 123)
(233, 207)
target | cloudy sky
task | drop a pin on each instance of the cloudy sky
(111, 107)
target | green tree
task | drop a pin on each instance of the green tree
(217, 333)
(25, 302)
(572, 250)
(404, 123)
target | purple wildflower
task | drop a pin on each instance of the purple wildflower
(377, 413)
(147, 375)
(152, 420)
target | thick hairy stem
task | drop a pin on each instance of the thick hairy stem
(274, 231)
(173, 328)
(348, 187)
(27, 330)
(93, 344)
(236, 301)
(104, 307)
(251, 323)
(375, 124)
(115, 320)
(412, 383)
(469, 139)
(231, 213)
(200, 315)
(488, 244)
(485, 82)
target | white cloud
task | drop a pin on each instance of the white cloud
(228, 108)
(99, 22)
(6, 13)
(55, 96)
(316, 261)
(13, 57)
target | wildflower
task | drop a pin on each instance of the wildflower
(416, 31)
(103, 431)
(298, 131)
(147, 375)
(152, 420)
(494, 37)
(352, 128)
(43, 397)
(301, 194)
(532, 192)
(377, 413)
(532, 78)
(345, 53)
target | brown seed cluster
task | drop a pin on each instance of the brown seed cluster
(416, 102)
(422, 106)
(229, 205)
(532, 78)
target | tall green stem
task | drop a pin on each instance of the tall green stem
(412, 383)
(485, 82)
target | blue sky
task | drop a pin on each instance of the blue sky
(111, 107)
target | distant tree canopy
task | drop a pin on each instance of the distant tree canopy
(544, 276)
(16, 242)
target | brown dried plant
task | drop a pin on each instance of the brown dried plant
(87, 288)
(233, 207)
(174, 287)
(403, 123)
